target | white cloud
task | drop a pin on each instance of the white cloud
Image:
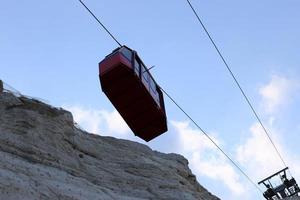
(258, 154)
(100, 121)
(205, 159)
(191, 139)
(115, 122)
(90, 120)
(277, 93)
(259, 157)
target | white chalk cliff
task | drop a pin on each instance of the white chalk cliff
(44, 156)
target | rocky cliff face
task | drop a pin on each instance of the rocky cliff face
(44, 156)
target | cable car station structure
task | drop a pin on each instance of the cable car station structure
(287, 188)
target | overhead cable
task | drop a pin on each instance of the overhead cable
(237, 83)
(212, 140)
(103, 26)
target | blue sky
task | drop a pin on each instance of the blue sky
(51, 50)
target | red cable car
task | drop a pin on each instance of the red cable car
(130, 87)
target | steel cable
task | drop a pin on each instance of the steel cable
(237, 83)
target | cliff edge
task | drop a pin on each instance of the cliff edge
(44, 156)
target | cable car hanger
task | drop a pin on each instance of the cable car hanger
(149, 69)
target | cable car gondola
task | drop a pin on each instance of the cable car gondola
(132, 90)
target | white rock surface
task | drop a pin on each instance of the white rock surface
(43, 156)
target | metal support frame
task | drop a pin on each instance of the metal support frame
(288, 188)
(275, 174)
